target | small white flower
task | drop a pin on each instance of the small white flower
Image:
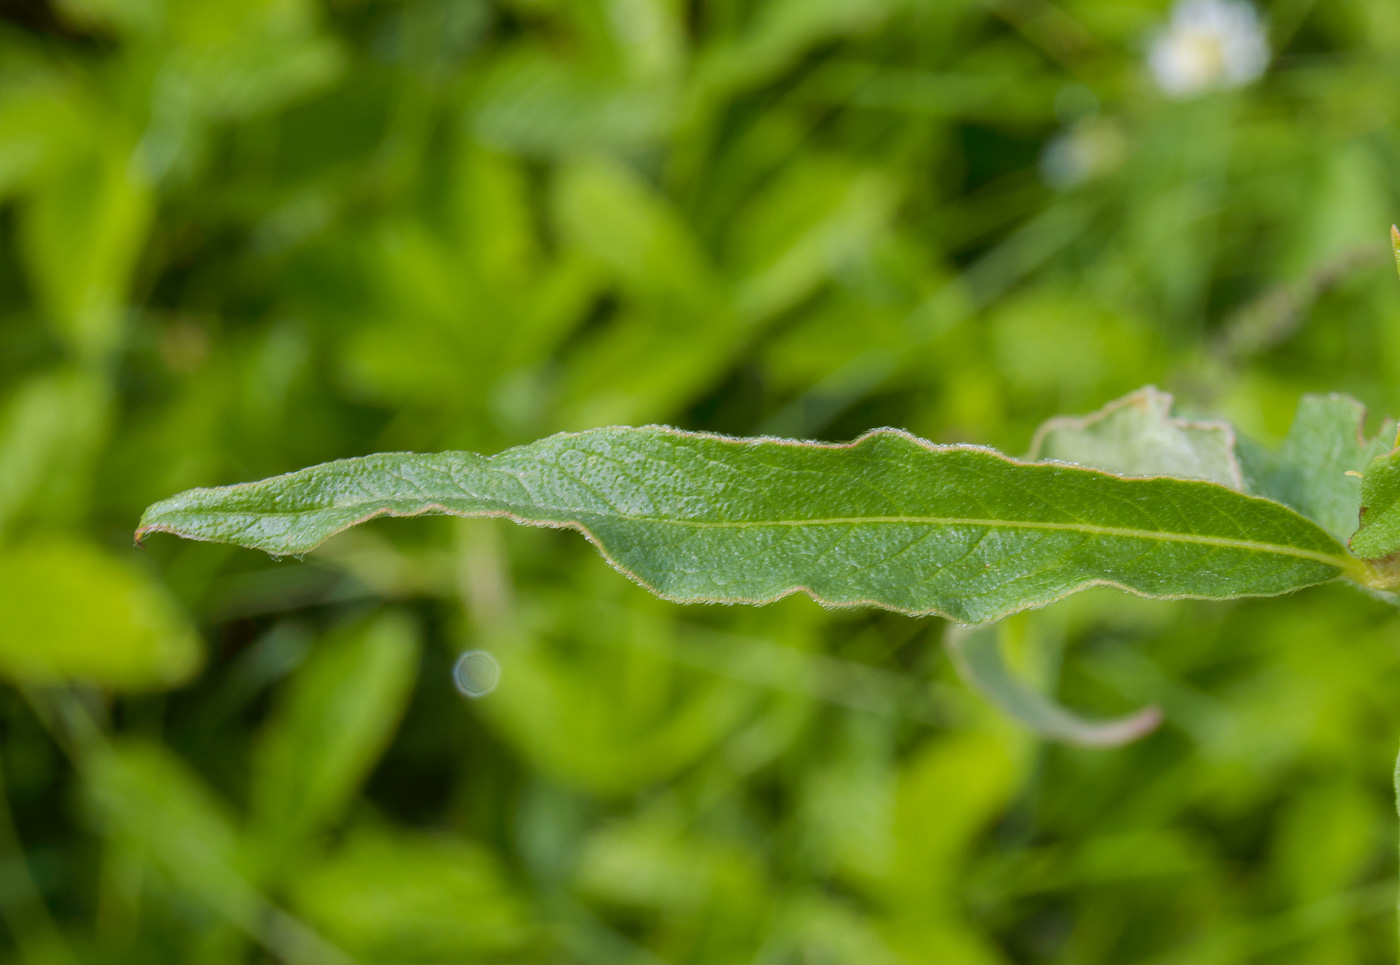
(1209, 44)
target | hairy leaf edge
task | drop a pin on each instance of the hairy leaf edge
(1346, 565)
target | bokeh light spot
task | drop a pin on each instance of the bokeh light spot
(476, 673)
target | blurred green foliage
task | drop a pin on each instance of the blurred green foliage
(241, 237)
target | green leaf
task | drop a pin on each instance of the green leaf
(148, 797)
(1379, 535)
(335, 719)
(1137, 436)
(539, 106)
(1312, 470)
(73, 613)
(81, 234)
(396, 897)
(611, 717)
(819, 220)
(976, 652)
(49, 431)
(888, 520)
(610, 213)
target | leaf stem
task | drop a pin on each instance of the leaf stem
(1381, 574)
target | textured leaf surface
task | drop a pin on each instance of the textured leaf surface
(1138, 436)
(1379, 535)
(1309, 471)
(888, 520)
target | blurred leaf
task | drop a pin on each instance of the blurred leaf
(1060, 344)
(84, 228)
(954, 530)
(492, 216)
(145, 795)
(1322, 840)
(74, 613)
(609, 213)
(238, 60)
(147, 798)
(822, 928)
(1137, 436)
(615, 717)
(966, 781)
(650, 35)
(394, 897)
(41, 118)
(542, 106)
(779, 33)
(816, 221)
(127, 16)
(212, 62)
(677, 332)
(335, 718)
(654, 861)
(49, 431)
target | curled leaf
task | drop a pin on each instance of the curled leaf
(977, 655)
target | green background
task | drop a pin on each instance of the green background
(242, 236)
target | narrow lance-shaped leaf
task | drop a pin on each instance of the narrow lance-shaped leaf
(888, 520)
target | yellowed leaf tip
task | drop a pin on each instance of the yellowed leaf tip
(1395, 245)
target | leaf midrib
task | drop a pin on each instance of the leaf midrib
(1087, 528)
(1344, 563)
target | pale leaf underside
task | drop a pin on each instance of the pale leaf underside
(976, 653)
(1138, 436)
(888, 520)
